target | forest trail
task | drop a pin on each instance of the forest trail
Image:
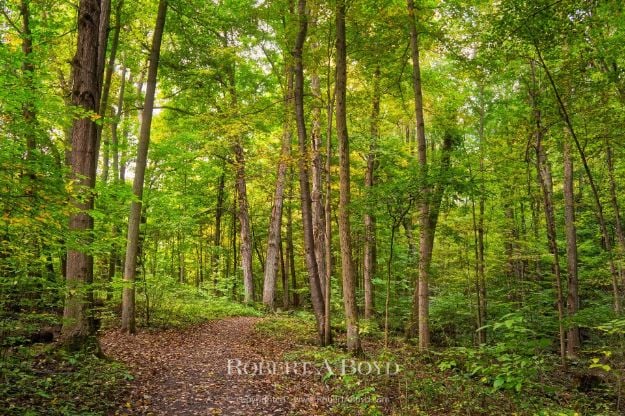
(185, 372)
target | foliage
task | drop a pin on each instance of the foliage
(513, 362)
(38, 380)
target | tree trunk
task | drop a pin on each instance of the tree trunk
(134, 218)
(413, 325)
(304, 181)
(275, 224)
(572, 300)
(425, 233)
(233, 238)
(115, 125)
(216, 251)
(284, 275)
(103, 33)
(241, 187)
(347, 264)
(290, 251)
(618, 222)
(595, 192)
(369, 260)
(244, 222)
(480, 264)
(108, 76)
(544, 175)
(480, 291)
(327, 243)
(114, 148)
(78, 328)
(317, 175)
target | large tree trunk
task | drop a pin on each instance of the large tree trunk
(134, 218)
(78, 328)
(426, 234)
(347, 263)
(369, 260)
(572, 300)
(304, 177)
(275, 224)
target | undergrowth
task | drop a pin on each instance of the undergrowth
(164, 304)
(497, 380)
(44, 380)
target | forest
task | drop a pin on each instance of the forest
(312, 207)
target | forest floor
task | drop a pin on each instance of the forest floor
(186, 372)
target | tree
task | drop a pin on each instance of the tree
(314, 279)
(572, 299)
(134, 220)
(79, 328)
(426, 234)
(347, 262)
(369, 258)
(275, 224)
(546, 184)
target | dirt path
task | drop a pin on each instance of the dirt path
(185, 372)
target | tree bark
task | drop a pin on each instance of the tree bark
(425, 233)
(275, 224)
(78, 327)
(327, 243)
(108, 76)
(480, 290)
(413, 325)
(134, 218)
(544, 175)
(244, 222)
(103, 32)
(347, 263)
(369, 260)
(243, 214)
(219, 210)
(317, 175)
(284, 275)
(479, 243)
(290, 251)
(304, 181)
(572, 300)
(115, 125)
